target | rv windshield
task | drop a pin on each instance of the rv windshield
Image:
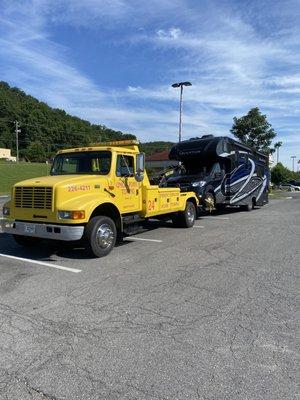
(92, 162)
(198, 169)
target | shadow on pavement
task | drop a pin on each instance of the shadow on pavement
(46, 249)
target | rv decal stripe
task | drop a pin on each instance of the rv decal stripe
(247, 180)
(262, 188)
(245, 195)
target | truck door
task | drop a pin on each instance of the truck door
(128, 190)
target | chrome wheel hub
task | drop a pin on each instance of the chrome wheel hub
(105, 236)
(190, 214)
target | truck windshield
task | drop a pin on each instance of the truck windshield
(92, 162)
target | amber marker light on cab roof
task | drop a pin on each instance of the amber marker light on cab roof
(117, 143)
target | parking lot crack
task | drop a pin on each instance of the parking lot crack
(34, 392)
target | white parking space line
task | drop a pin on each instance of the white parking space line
(198, 226)
(213, 217)
(28, 260)
(144, 239)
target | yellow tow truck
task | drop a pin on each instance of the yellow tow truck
(95, 194)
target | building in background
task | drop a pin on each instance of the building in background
(160, 160)
(6, 155)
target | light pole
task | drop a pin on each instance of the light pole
(293, 158)
(177, 85)
(276, 146)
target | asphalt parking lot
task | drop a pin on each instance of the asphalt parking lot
(203, 313)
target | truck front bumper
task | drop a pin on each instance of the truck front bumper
(44, 231)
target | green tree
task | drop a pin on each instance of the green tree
(155, 147)
(35, 152)
(254, 130)
(280, 174)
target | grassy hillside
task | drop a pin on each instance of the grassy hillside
(11, 173)
(43, 129)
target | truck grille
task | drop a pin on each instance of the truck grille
(33, 197)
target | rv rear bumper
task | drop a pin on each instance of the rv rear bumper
(44, 231)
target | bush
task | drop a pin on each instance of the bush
(280, 174)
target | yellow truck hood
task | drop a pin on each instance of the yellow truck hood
(61, 180)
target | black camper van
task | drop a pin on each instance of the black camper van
(222, 170)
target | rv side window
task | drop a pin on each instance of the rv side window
(236, 159)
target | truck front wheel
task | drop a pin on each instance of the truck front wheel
(186, 218)
(101, 235)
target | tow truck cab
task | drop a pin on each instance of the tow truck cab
(95, 194)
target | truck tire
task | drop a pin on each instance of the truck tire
(100, 236)
(186, 218)
(26, 241)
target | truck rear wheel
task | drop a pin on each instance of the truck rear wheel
(26, 241)
(186, 218)
(101, 235)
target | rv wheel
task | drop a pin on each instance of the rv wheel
(246, 207)
(209, 202)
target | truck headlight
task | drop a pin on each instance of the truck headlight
(6, 211)
(198, 184)
(71, 214)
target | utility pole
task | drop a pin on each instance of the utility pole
(176, 85)
(293, 158)
(17, 131)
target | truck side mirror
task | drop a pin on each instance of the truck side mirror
(140, 167)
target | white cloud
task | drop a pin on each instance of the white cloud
(171, 33)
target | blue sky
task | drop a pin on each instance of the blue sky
(113, 61)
